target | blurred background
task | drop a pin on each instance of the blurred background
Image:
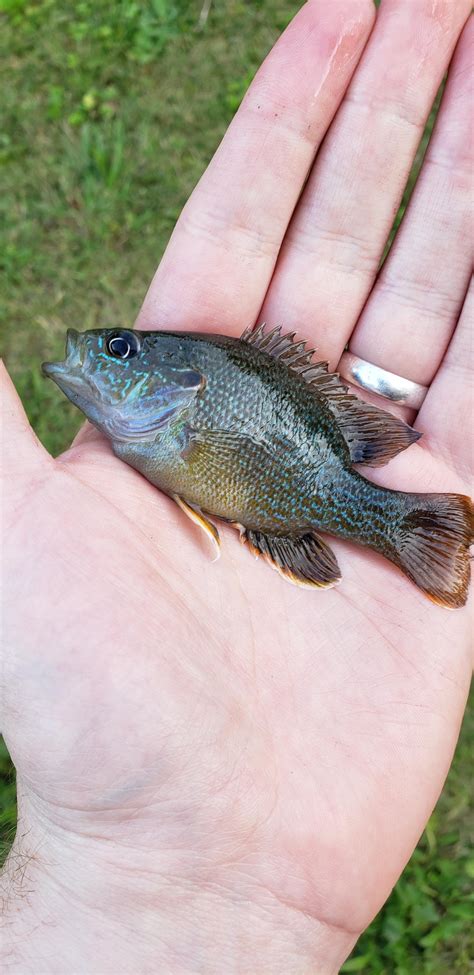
(111, 111)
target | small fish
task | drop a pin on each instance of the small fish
(258, 434)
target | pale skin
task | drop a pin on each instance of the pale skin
(218, 771)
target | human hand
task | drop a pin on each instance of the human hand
(216, 771)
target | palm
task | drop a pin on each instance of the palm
(290, 717)
(305, 736)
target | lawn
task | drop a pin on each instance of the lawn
(112, 110)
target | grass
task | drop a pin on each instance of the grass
(112, 111)
(111, 114)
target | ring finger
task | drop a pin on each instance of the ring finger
(411, 314)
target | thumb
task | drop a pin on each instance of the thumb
(22, 456)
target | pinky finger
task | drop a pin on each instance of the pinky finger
(447, 413)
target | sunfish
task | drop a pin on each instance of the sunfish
(253, 431)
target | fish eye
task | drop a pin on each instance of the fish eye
(123, 346)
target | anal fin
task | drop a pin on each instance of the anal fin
(195, 515)
(305, 560)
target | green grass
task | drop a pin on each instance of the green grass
(111, 112)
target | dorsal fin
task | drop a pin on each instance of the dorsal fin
(293, 353)
(372, 435)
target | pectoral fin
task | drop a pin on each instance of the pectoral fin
(195, 514)
(304, 560)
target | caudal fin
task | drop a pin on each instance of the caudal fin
(432, 543)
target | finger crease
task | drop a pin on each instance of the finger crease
(353, 253)
(421, 296)
(384, 108)
(228, 232)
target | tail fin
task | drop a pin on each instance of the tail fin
(432, 544)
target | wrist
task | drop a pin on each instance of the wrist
(84, 905)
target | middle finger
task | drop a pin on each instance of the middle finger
(221, 256)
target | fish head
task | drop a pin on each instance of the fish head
(127, 386)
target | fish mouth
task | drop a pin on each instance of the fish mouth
(68, 374)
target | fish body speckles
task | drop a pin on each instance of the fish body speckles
(256, 433)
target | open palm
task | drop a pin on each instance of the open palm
(259, 744)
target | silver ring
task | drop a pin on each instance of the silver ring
(381, 381)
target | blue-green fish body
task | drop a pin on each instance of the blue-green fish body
(254, 432)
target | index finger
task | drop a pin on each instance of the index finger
(221, 256)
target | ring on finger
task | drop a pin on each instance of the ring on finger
(368, 376)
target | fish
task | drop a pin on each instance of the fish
(257, 433)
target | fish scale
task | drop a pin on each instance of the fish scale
(257, 433)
